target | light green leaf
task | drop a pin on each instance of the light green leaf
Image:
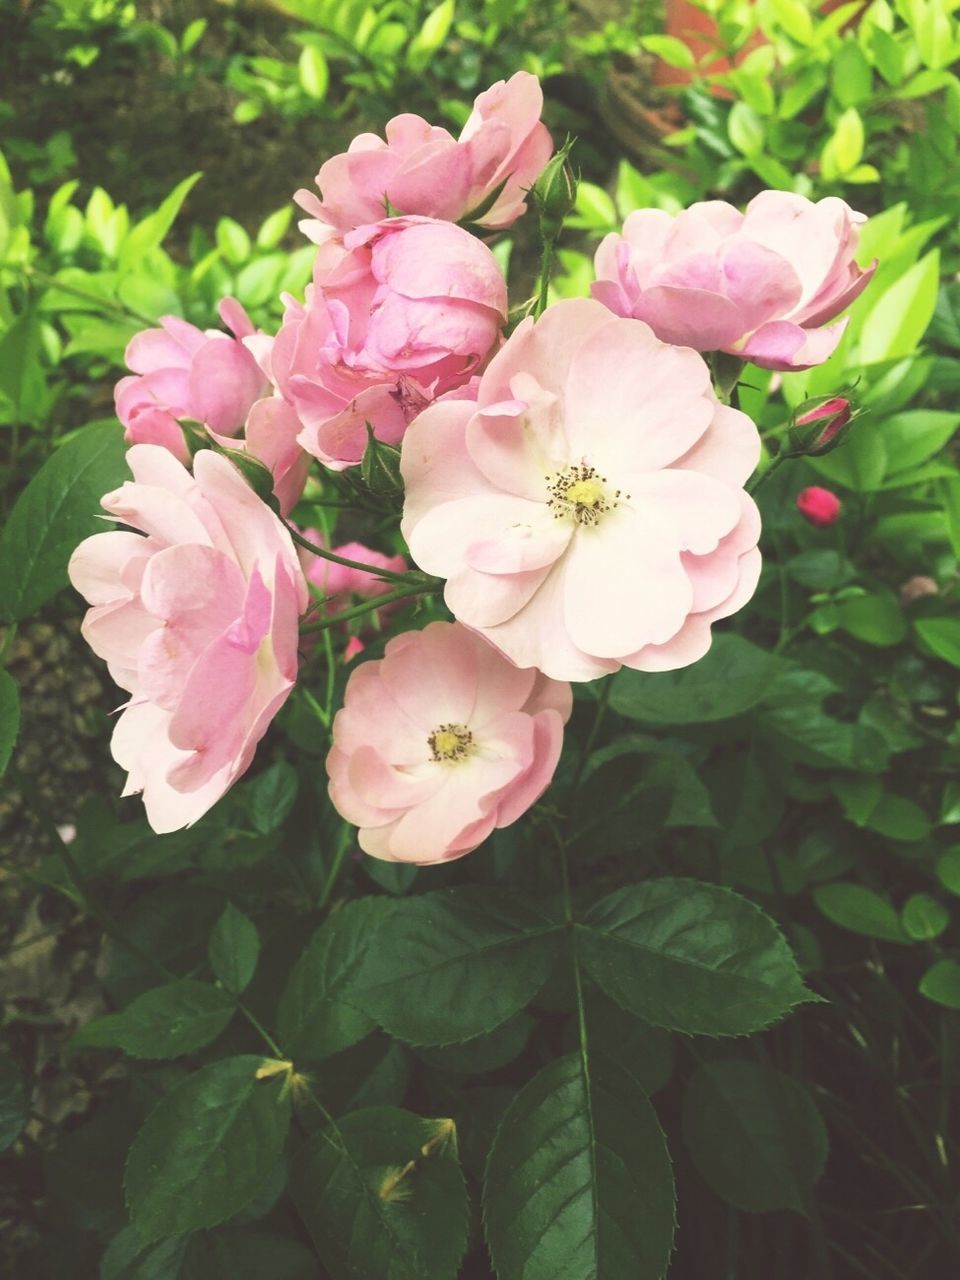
(923, 917)
(376, 1204)
(316, 1017)
(431, 36)
(690, 957)
(754, 1134)
(942, 636)
(150, 233)
(859, 462)
(206, 1148)
(232, 241)
(274, 227)
(916, 435)
(670, 50)
(875, 618)
(745, 128)
(234, 949)
(859, 909)
(733, 677)
(313, 72)
(9, 718)
(578, 1181)
(898, 818)
(452, 965)
(941, 984)
(899, 318)
(166, 1022)
(57, 510)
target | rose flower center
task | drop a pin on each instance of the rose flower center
(450, 743)
(578, 493)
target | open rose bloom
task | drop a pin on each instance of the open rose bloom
(401, 314)
(761, 285)
(197, 617)
(440, 742)
(423, 169)
(588, 510)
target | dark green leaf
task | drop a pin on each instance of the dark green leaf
(948, 869)
(166, 1022)
(690, 957)
(234, 949)
(9, 718)
(272, 795)
(754, 1134)
(875, 619)
(57, 509)
(242, 1253)
(733, 677)
(923, 917)
(483, 1053)
(578, 1182)
(898, 818)
(206, 1148)
(128, 1258)
(452, 965)
(376, 1205)
(13, 1101)
(316, 1016)
(859, 909)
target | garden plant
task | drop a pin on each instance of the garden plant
(500, 815)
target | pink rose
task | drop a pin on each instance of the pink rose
(760, 285)
(184, 372)
(819, 506)
(402, 314)
(440, 742)
(271, 435)
(422, 169)
(339, 584)
(588, 510)
(197, 620)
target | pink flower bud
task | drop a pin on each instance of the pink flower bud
(831, 417)
(819, 506)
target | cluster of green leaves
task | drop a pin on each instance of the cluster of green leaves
(859, 96)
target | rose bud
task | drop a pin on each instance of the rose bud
(819, 506)
(821, 427)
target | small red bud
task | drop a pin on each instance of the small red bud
(819, 506)
(834, 414)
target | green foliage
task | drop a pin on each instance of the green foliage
(166, 1022)
(234, 949)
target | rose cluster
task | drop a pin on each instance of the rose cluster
(577, 484)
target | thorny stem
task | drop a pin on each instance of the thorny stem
(358, 610)
(387, 574)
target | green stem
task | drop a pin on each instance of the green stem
(546, 262)
(265, 1035)
(387, 574)
(368, 606)
(346, 839)
(764, 476)
(8, 639)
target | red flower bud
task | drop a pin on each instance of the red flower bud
(821, 427)
(819, 506)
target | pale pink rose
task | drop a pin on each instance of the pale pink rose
(760, 285)
(197, 618)
(422, 169)
(402, 313)
(440, 742)
(588, 510)
(186, 372)
(342, 586)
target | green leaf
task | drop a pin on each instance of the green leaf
(733, 677)
(272, 795)
(166, 1022)
(745, 128)
(192, 34)
(452, 965)
(941, 984)
(578, 1182)
(206, 1148)
(431, 36)
(859, 909)
(948, 869)
(484, 1053)
(859, 462)
(851, 79)
(19, 367)
(844, 149)
(942, 636)
(313, 72)
(233, 242)
(274, 227)
(245, 1253)
(690, 957)
(128, 1257)
(923, 917)
(9, 718)
(945, 326)
(916, 435)
(149, 234)
(316, 1017)
(234, 949)
(376, 1204)
(754, 1134)
(875, 618)
(56, 511)
(669, 50)
(13, 1101)
(899, 318)
(898, 818)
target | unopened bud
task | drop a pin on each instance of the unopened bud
(819, 506)
(555, 192)
(257, 476)
(820, 426)
(380, 466)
